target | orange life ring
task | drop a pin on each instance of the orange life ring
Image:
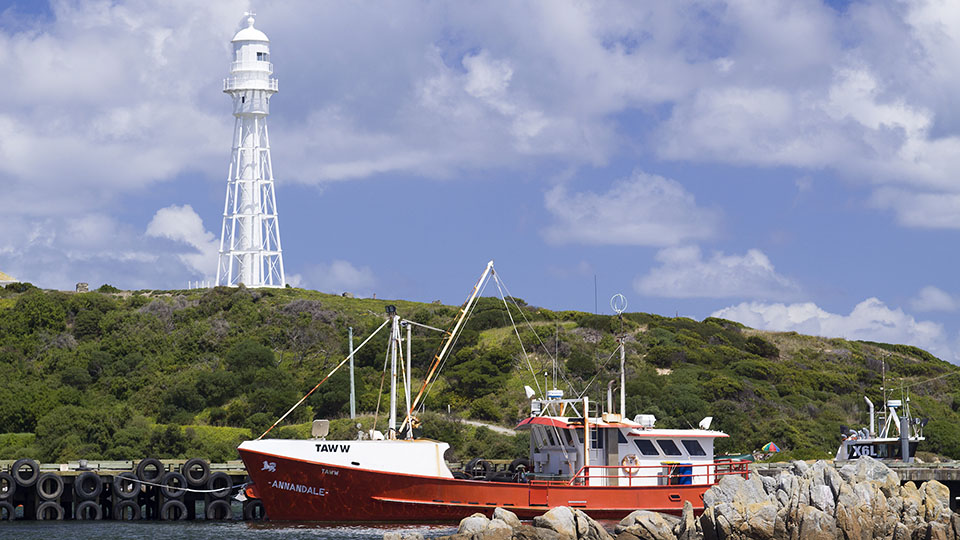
(630, 464)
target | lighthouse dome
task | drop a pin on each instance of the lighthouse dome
(250, 33)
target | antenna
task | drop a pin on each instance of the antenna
(619, 303)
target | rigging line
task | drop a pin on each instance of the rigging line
(424, 326)
(450, 338)
(334, 370)
(452, 345)
(516, 330)
(931, 380)
(532, 329)
(605, 362)
(383, 376)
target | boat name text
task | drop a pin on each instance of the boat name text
(333, 448)
(299, 488)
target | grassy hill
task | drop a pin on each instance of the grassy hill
(126, 374)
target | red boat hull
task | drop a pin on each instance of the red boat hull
(298, 490)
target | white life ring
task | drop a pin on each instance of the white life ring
(630, 464)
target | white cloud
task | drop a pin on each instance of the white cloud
(870, 320)
(931, 298)
(337, 277)
(684, 273)
(643, 210)
(920, 209)
(181, 224)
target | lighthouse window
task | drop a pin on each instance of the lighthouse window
(669, 447)
(646, 447)
(694, 448)
(263, 57)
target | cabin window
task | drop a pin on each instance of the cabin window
(646, 447)
(694, 448)
(620, 438)
(669, 447)
(596, 438)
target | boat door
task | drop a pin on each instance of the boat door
(538, 495)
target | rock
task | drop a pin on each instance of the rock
(936, 502)
(799, 468)
(911, 514)
(392, 535)
(686, 528)
(708, 524)
(816, 524)
(497, 529)
(588, 529)
(648, 525)
(558, 519)
(901, 532)
(867, 469)
(472, 524)
(937, 531)
(821, 498)
(526, 532)
(507, 517)
(735, 487)
(413, 536)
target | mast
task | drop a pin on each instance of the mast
(353, 390)
(407, 380)
(623, 381)
(394, 338)
(450, 337)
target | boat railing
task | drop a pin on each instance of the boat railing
(666, 473)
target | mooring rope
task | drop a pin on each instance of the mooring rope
(191, 490)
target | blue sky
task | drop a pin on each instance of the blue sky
(788, 164)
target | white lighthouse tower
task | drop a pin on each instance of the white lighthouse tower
(250, 239)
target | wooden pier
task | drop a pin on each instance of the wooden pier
(126, 490)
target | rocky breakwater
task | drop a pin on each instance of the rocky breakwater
(863, 500)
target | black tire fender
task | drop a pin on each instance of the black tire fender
(50, 510)
(25, 472)
(126, 485)
(120, 510)
(8, 486)
(88, 485)
(7, 511)
(221, 484)
(253, 510)
(196, 471)
(174, 485)
(89, 511)
(173, 510)
(219, 510)
(150, 470)
(49, 486)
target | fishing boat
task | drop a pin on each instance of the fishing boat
(581, 455)
(897, 440)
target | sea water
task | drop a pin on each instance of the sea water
(200, 530)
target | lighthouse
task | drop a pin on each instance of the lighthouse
(250, 238)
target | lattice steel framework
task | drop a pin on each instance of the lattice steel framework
(250, 251)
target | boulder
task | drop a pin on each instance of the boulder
(588, 529)
(507, 517)
(526, 532)
(938, 531)
(472, 524)
(816, 525)
(558, 519)
(936, 502)
(497, 529)
(686, 528)
(912, 510)
(647, 525)
(867, 469)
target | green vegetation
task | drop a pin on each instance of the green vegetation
(127, 374)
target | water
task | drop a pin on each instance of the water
(200, 530)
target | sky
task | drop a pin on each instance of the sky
(792, 165)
